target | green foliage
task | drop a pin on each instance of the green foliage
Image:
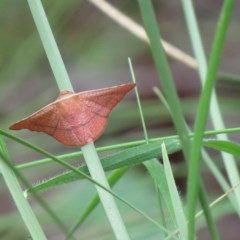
(147, 193)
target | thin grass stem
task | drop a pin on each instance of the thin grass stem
(63, 81)
(138, 102)
(50, 46)
(21, 202)
(215, 112)
(175, 197)
(202, 113)
(96, 171)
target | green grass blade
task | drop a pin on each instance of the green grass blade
(128, 157)
(83, 175)
(163, 71)
(225, 146)
(102, 149)
(50, 45)
(175, 197)
(157, 172)
(43, 204)
(91, 157)
(219, 176)
(202, 113)
(97, 172)
(202, 193)
(153, 166)
(195, 38)
(208, 215)
(216, 116)
(18, 196)
(112, 179)
(138, 102)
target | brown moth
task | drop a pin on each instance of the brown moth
(75, 119)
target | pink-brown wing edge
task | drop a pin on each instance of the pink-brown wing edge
(106, 99)
(38, 120)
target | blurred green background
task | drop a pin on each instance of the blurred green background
(95, 50)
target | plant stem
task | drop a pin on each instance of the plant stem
(216, 116)
(96, 171)
(50, 45)
(17, 194)
(91, 158)
(112, 179)
(164, 72)
(202, 113)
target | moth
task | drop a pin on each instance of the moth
(76, 119)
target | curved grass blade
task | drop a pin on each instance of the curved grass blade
(224, 146)
(82, 175)
(180, 218)
(112, 179)
(128, 157)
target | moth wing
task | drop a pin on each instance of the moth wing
(44, 120)
(102, 101)
(76, 119)
(98, 104)
(50, 121)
